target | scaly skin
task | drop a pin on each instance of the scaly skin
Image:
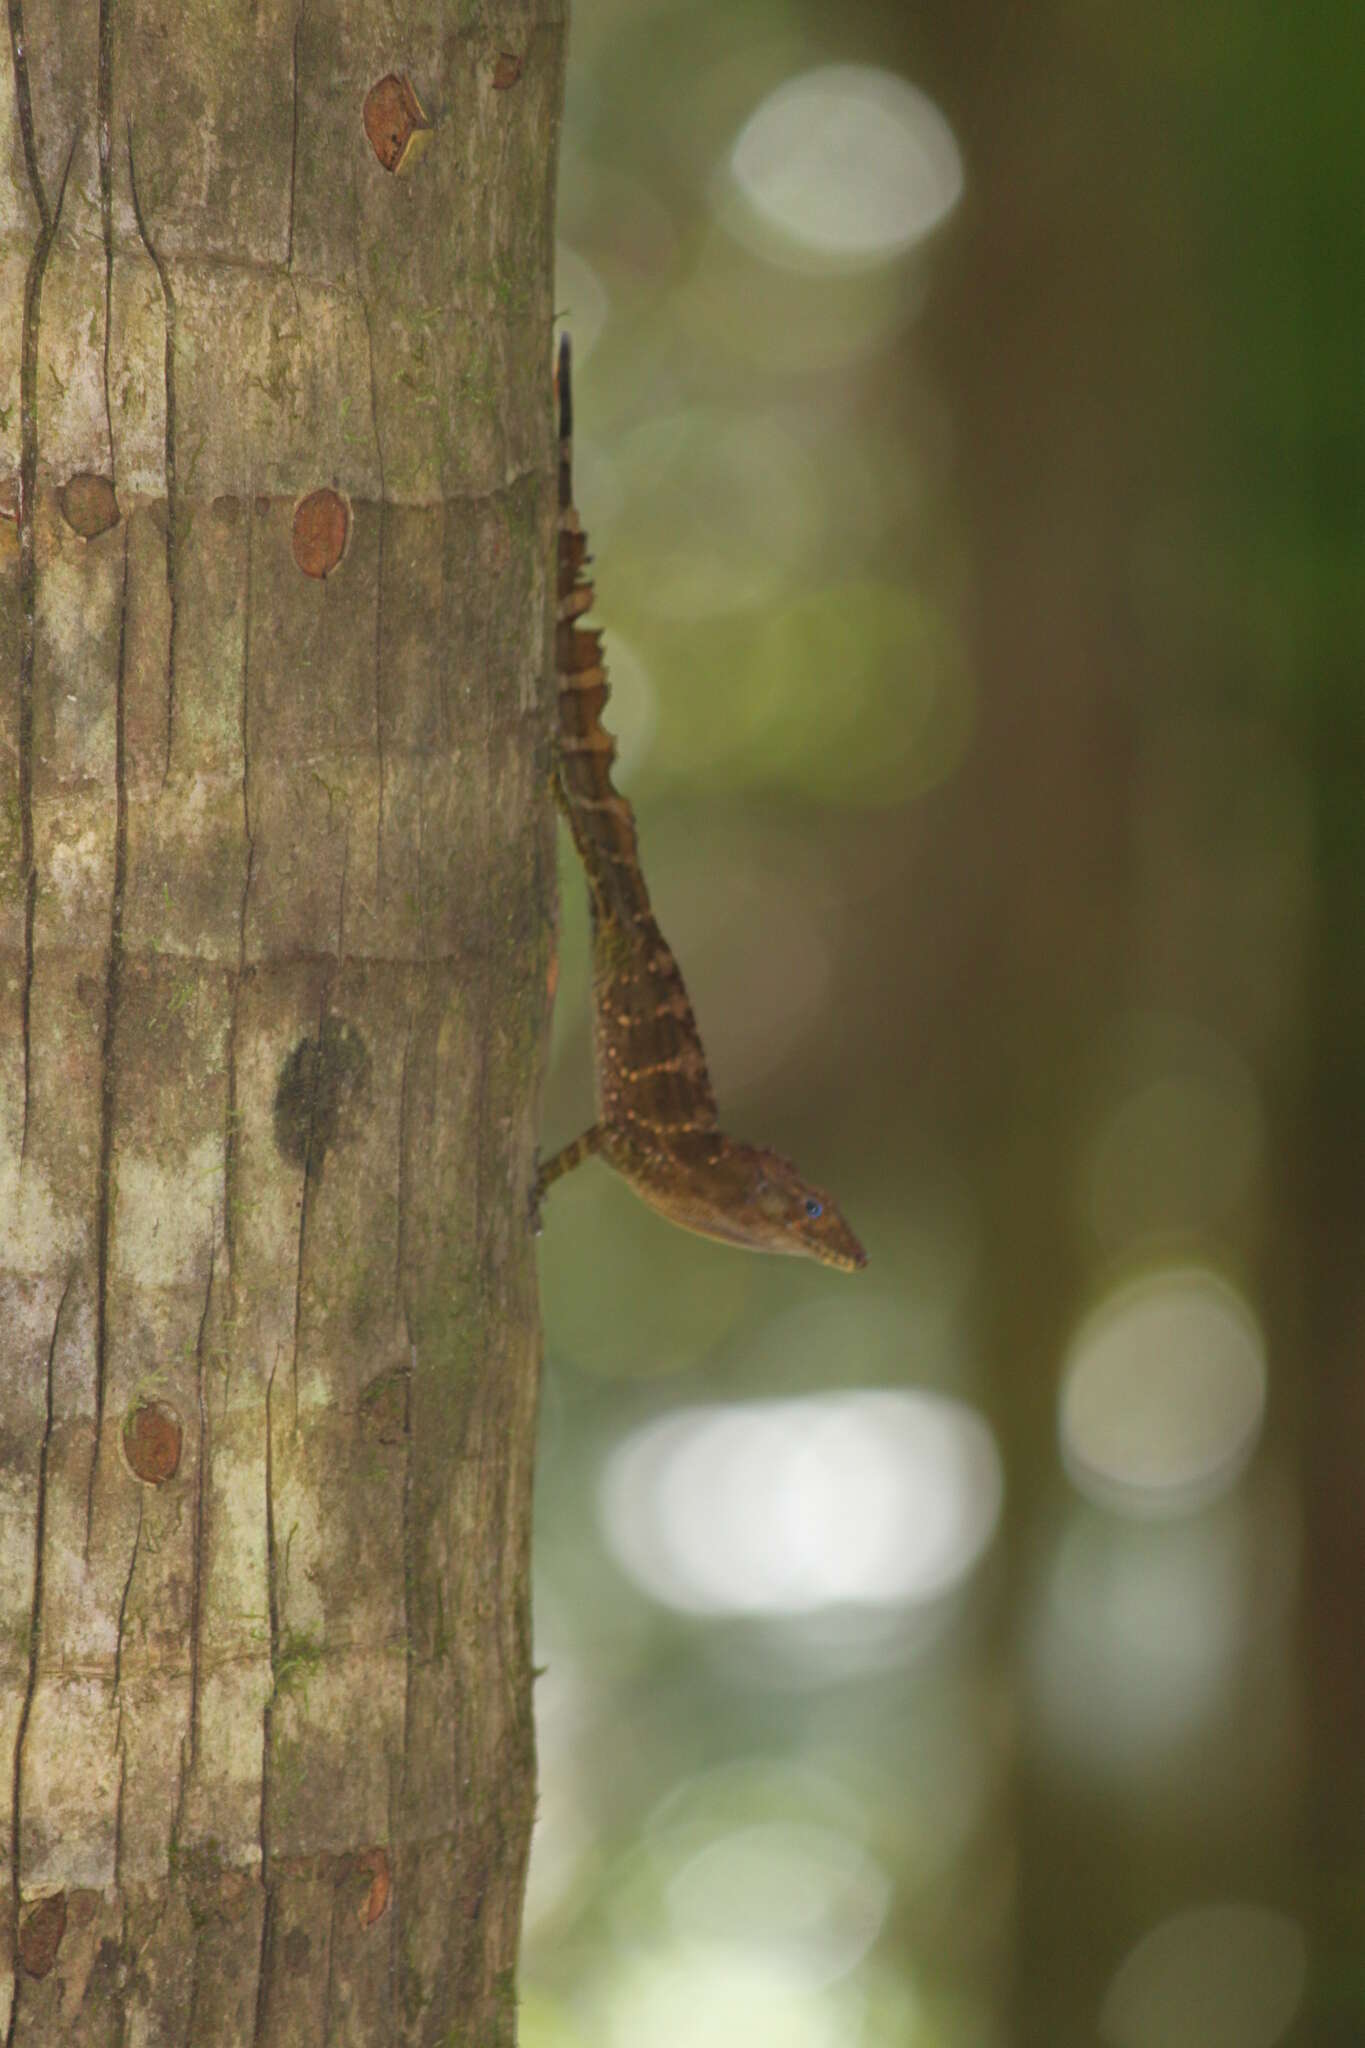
(657, 1121)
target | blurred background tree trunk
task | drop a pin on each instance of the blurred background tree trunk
(276, 886)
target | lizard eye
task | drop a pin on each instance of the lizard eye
(814, 1208)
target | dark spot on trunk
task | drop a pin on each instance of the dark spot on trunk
(106, 1972)
(321, 1086)
(89, 504)
(151, 1441)
(383, 1408)
(40, 1934)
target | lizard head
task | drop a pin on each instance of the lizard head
(779, 1211)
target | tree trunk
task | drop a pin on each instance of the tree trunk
(276, 893)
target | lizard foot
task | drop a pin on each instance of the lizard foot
(534, 1219)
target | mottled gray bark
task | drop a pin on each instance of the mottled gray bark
(275, 899)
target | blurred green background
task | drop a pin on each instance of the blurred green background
(969, 436)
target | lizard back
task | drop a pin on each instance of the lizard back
(651, 1069)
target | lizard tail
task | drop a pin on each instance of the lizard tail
(564, 386)
(602, 821)
(651, 1068)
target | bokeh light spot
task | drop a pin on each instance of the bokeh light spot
(711, 1995)
(846, 165)
(808, 1899)
(787, 1507)
(718, 506)
(1163, 1393)
(1225, 1976)
(1179, 1144)
(1140, 1632)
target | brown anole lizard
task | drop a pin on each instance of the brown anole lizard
(657, 1121)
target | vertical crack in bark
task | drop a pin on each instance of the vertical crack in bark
(172, 496)
(272, 1600)
(126, 1947)
(49, 220)
(231, 1139)
(112, 986)
(309, 1168)
(120, 1746)
(192, 2033)
(272, 1554)
(293, 139)
(35, 1628)
(396, 1900)
(426, 943)
(24, 101)
(400, 1248)
(443, 666)
(396, 1896)
(169, 1894)
(378, 595)
(105, 106)
(326, 2033)
(123, 1597)
(197, 1569)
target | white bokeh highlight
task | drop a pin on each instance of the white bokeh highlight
(807, 1900)
(1163, 1393)
(708, 1995)
(845, 166)
(1139, 1633)
(867, 1498)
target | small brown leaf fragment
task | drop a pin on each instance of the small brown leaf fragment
(9, 497)
(89, 504)
(552, 977)
(151, 1441)
(375, 1861)
(396, 122)
(506, 71)
(374, 1865)
(40, 1934)
(320, 524)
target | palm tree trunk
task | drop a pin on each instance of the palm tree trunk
(276, 894)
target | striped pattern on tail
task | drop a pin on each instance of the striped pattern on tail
(651, 1069)
(602, 822)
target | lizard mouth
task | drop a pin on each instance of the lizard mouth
(851, 1261)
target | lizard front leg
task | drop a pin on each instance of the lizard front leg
(564, 1162)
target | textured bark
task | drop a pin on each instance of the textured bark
(276, 887)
